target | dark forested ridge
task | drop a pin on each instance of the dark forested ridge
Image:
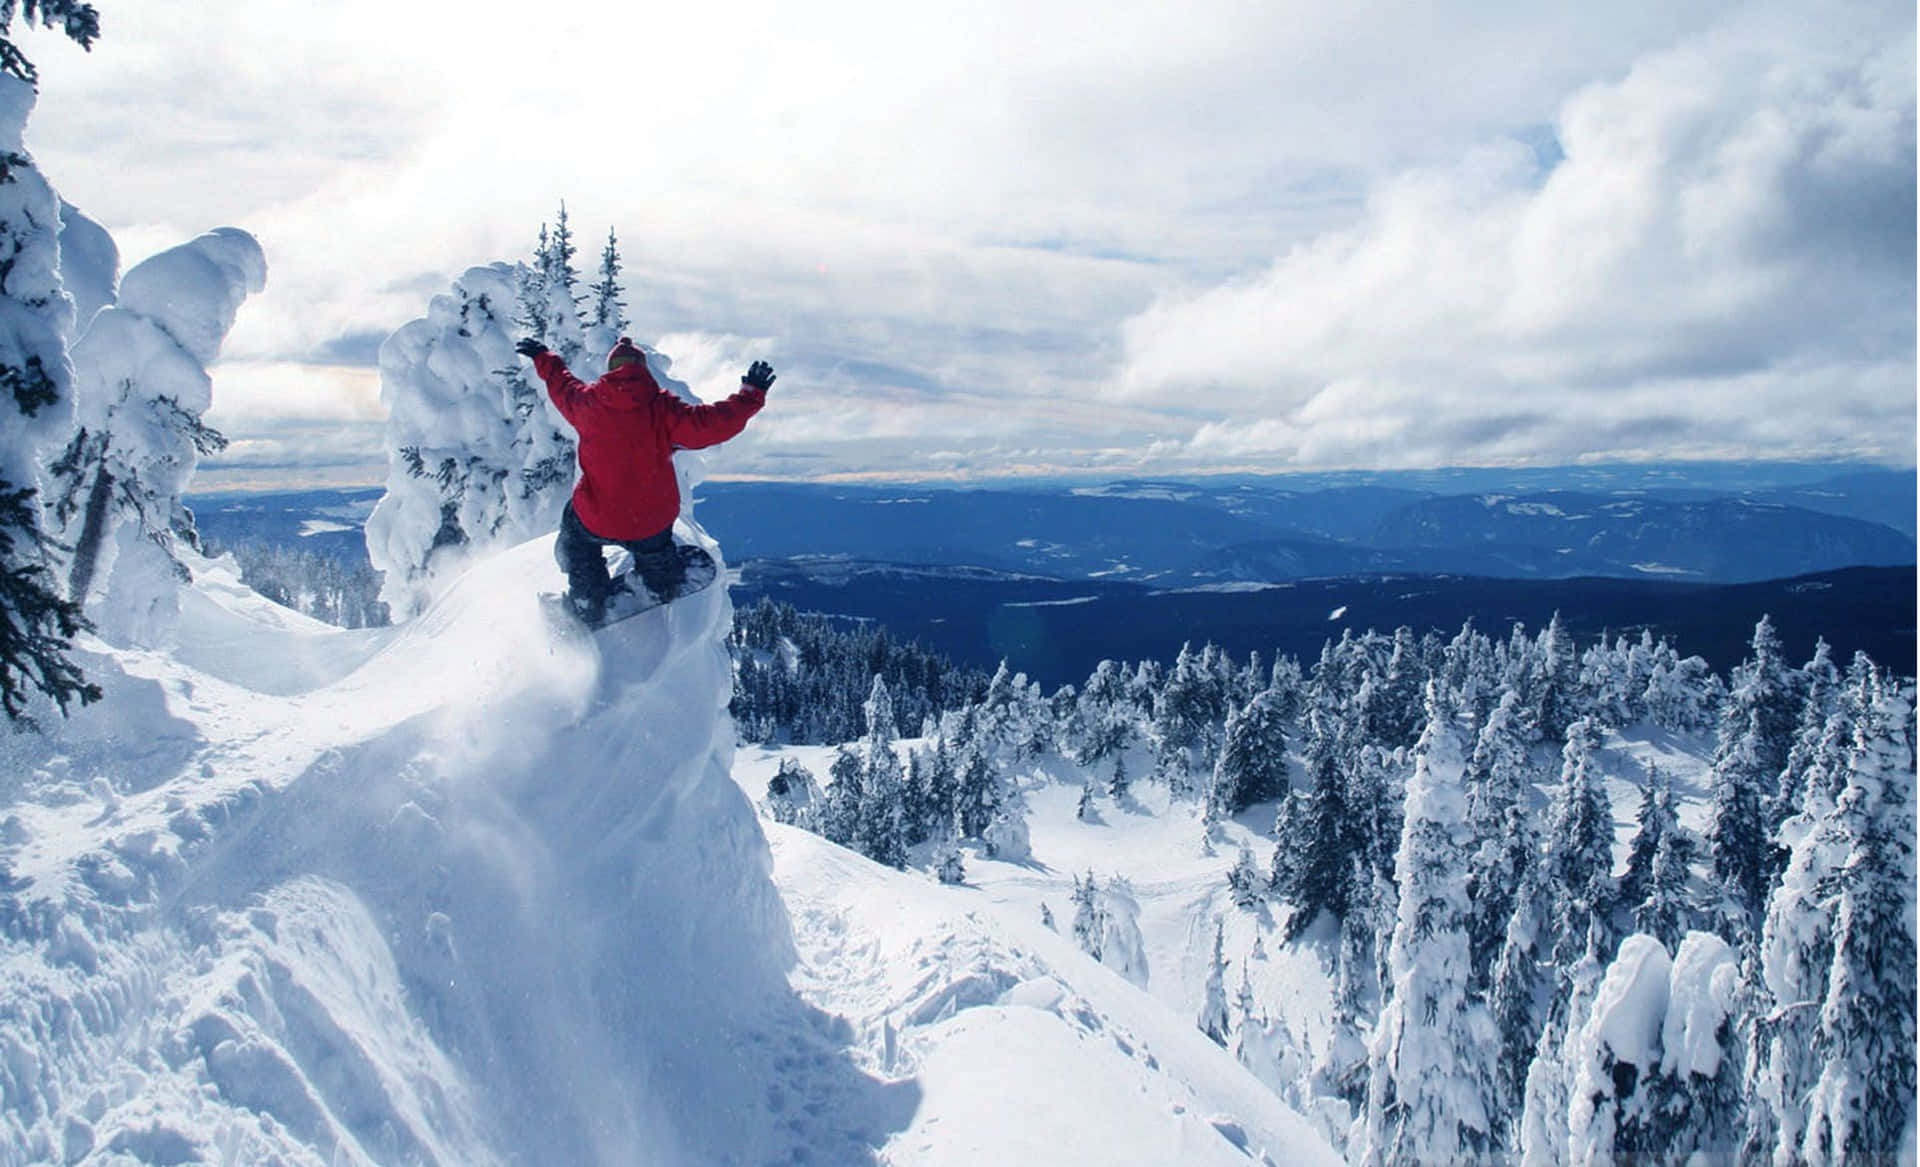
(1059, 630)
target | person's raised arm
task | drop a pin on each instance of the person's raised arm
(695, 427)
(562, 385)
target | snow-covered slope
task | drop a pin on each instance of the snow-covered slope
(474, 890)
(464, 892)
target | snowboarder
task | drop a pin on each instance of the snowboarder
(627, 494)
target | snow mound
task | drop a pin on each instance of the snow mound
(468, 891)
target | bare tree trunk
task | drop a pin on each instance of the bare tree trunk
(86, 549)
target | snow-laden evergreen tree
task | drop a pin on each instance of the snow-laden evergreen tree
(1106, 714)
(1431, 1078)
(1518, 1000)
(37, 623)
(1648, 1067)
(840, 818)
(549, 298)
(1813, 747)
(1578, 852)
(1395, 713)
(1666, 908)
(1610, 1056)
(1085, 810)
(1244, 881)
(1119, 786)
(1544, 1128)
(949, 864)
(1756, 735)
(609, 311)
(1187, 715)
(1253, 762)
(1862, 1105)
(794, 796)
(1796, 944)
(1653, 891)
(1693, 1107)
(1554, 694)
(1089, 919)
(1500, 815)
(140, 388)
(1682, 694)
(1214, 1020)
(882, 831)
(465, 426)
(1320, 879)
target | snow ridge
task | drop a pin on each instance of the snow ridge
(462, 892)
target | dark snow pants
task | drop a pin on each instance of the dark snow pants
(656, 560)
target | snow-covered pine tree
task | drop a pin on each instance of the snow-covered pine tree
(1431, 1082)
(1500, 814)
(1602, 682)
(1692, 1108)
(80, 22)
(1244, 881)
(1119, 786)
(917, 799)
(37, 624)
(1812, 747)
(793, 796)
(473, 446)
(1666, 909)
(1214, 1020)
(1554, 695)
(949, 864)
(1106, 713)
(1682, 695)
(1862, 1105)
(1796, 942)
(1396, 714)
(140, 388)
(976, 784)
(1653, 896)
(1089, 918)
(1544, 1129)
(1518, 1001)
(1578, 854)
(1325, 841)
(1756, 735)
(882, 832)
(1609, 1059)
(1085, 810)
(1253, 762)
(560, 324)
(840, 819)
(609, 311)
(1186, 716)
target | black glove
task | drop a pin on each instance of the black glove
(529, 347)
(759, 375)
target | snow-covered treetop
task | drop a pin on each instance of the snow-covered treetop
(193, 291)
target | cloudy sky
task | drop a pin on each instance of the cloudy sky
(991, 237)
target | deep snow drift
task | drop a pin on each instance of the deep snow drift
(477, 890)
(462, 892)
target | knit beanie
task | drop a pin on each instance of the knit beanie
(623, 354)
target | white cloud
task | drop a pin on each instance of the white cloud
(1723, 263)
(936, 217)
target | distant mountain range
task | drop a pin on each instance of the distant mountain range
(1055, 577)
(1177, 534)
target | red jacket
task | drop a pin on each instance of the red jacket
(629, 428)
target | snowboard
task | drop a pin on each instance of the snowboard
(631, 598)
